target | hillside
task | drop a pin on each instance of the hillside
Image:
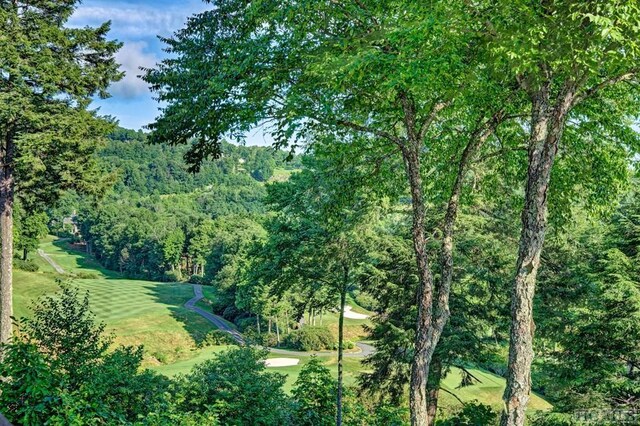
(152, 314)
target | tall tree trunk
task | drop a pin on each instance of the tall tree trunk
(277, 333)
(343, 299)
(432, 317)
(6, 234)
(25, 253)
(433, 388)
(547, 125)
(423, 343)
(258, 323)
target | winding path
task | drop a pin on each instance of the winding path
(213, 319)
(48, 258)
(365, 349)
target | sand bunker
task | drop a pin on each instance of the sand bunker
(281, 362)
(348, 313)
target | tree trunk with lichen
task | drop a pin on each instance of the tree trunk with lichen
(6, 235)
(547, 123)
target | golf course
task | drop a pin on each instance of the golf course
(152, 314)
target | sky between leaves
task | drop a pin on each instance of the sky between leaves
(137, 24)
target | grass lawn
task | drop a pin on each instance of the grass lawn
(150, 313)
(136, 312)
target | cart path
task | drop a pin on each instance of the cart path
(213, 319)
(365, 349)
(51, 262)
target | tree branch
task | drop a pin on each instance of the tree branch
(603, 84)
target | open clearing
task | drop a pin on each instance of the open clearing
(152, 314)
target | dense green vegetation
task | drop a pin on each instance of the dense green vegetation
(448, 221)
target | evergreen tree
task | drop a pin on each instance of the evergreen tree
(48, 75)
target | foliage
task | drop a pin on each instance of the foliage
(471, 414)
(314, 395)
(217, 337)
(26, 265)
(311, 339)
(235, 387)
(58, 370)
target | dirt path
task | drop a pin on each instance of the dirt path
(51, 262)
(365, 349)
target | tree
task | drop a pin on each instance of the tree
(28, 230)
(314, 395)
(49, 74)
(173, 247)
(370, 72)
(60, 370)
(236, 388)
(319, 235)
(569, 58)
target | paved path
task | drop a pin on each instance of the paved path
(46, 257)
(214, 319)
(365, 349)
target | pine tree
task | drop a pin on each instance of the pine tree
(48, 74)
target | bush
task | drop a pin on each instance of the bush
(82, 275)
(173, 276)
(310, 339)
(314, 395)
(60, 371)
(197, 279)
(365, 300)
(473, 413)
(554, 419)
(26, 265)
(237, 389)
(217, 337)
(230, 313)
(246, 323)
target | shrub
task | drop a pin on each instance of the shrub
(82, 275)
(59, 371)
(310, 339)
(217, 337)
(473, 413)
(197, 279)
(237, 389)
(173, 276)
(365, 300)
(554, 419)
(314, 395)
(26, 265)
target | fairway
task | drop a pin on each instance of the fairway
(152, 314)
(135, 312)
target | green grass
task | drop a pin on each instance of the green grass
(136, 312)
(152, 314)
(281, 175)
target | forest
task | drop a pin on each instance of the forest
(451, 195)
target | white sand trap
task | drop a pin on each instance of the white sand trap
(281, 362)
(348, 313)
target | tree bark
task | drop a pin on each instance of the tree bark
(6, 235)
(547, 124)
(343, 298)
(432, 318)
(423, 342)
(433, 388)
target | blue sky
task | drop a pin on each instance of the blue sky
(137, 24)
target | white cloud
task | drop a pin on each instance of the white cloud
(131, 57)
(129, 21)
